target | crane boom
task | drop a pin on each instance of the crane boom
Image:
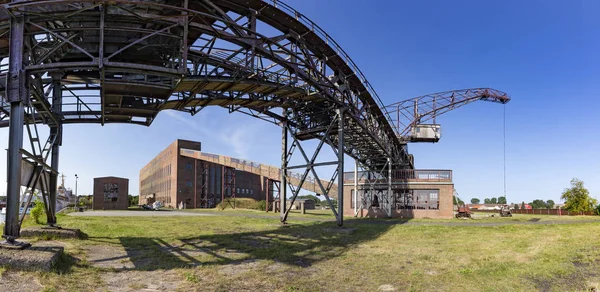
(409, 116)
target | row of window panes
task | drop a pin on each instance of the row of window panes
(245, 191)
(156, 161)
(163, 172)
(404, 199)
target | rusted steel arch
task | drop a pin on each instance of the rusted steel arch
(118, 61)
(301, 55)
(408, 113)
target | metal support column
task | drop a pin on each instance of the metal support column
(284, 183)
(195, 183)
(15, 142)
(355, 198)
(340, 172)
(222, 187)
(57, 133)
(389, 190)
(17, 93)
(267, 194)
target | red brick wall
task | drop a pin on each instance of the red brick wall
(184, 182)
(446, 190)
(122, 201)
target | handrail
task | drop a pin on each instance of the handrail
(317, 29)
(440, 175)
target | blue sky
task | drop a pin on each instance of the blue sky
(545, 54)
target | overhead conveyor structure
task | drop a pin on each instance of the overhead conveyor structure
(123, 61)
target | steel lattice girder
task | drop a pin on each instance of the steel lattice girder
(410, 112)
(124, 61)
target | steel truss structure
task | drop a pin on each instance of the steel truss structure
(124, 61)
(227, 187)
(411, 112)
(272, 194)
(201, 179)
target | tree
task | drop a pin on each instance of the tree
(333, 202)
(475, 201)
(577, 198)
(523, 206)
(487, 201)
(85, 201)
(37, 211)
(457, 201)
(502, 200)
(550, 204)
(493, 201)
(538, 204)
(516, 206)
(133, 200)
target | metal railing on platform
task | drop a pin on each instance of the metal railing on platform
(425, 175)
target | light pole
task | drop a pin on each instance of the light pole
(76, 177)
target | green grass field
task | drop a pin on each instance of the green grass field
(225, 253)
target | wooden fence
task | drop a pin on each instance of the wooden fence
(559, 212)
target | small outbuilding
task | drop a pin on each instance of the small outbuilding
(110, 193)
(308, 204)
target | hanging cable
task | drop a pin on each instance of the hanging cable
(504, 146)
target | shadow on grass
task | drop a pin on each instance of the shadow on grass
(295, 245)
(314, 213)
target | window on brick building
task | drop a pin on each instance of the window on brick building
(417, 199)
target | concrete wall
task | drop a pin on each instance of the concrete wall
(110, 193)
(445, 211)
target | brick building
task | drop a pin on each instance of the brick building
(181, 173)
(110, 193)
(416, 194)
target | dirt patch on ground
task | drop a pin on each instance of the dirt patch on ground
(238, 268)
(104, 256)
(585, 278)
(161, 280)
(18, 281)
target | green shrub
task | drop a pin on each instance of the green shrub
(37, 211)
(262, 205)
(245, 203)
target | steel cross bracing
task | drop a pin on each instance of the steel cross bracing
(408, 113)
(370, 194)
(272, 194)
(310, 164)
(227, 187)
(123, 61)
